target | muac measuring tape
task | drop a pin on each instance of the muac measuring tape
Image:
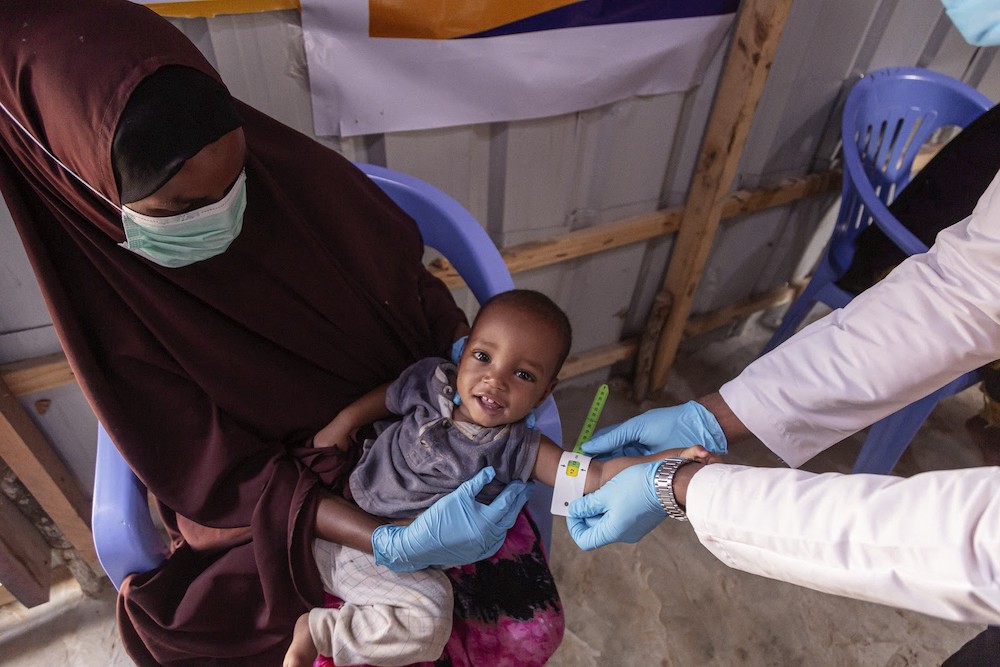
(571, 476)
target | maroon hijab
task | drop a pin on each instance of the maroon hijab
(210, 378)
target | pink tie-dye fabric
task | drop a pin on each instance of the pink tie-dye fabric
(507, 609)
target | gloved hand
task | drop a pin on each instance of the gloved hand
(662, 428)
(623, 510)
(456, 349)
(455, 530)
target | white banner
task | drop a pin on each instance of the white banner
(363, 84)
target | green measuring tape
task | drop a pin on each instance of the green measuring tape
(592, 416)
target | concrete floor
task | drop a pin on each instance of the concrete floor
(664, 601)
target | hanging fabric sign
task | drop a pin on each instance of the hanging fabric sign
(390, 65)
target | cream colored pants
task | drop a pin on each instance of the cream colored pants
(388, 618)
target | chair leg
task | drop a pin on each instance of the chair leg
(889, 438)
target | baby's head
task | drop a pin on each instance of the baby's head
(518, 343)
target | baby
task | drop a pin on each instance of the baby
(450, 423)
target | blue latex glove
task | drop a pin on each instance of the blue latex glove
(677, 427)
(456, 349)
(623, 510)
(977, 20)
(455, 530)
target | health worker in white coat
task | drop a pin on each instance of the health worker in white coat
(928, 543)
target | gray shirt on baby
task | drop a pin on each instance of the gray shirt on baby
(424, 455)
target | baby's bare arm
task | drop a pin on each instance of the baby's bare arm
(366, 410)
(601, 472)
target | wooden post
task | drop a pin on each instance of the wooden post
(25, 557)
(25, 449)
(758, 28)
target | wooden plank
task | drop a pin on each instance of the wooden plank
(643, 227)
(744, 202)
(25, 449)
(592, 360)
(37, 374)
(699, 324)
(758, 29)
(25, 557)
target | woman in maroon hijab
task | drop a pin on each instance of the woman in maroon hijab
(223, 286)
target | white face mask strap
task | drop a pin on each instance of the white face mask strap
(55, 159)
(571, 480)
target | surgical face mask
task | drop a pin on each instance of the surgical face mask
(179, 240)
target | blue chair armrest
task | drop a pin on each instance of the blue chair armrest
(125, 536)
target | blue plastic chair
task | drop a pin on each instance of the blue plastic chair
(125, 536)
(889, 114)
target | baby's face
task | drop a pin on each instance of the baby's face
(507, 368)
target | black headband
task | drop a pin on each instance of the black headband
(171, 116)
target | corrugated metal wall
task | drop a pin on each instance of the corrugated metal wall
(533, 179)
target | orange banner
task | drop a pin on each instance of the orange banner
(448, 19)
(208, 8)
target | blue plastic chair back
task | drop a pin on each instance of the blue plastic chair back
(125, 536)
(888, 116)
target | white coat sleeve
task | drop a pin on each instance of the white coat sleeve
(935, 317)
(928, 543)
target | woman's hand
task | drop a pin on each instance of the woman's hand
(455, 530)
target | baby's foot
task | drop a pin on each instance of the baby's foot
(302, 652)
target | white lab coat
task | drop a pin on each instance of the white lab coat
(930, 543)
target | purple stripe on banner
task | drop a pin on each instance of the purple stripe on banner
(604, 12)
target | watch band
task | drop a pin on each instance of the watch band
(663, 482)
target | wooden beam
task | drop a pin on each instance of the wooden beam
(28, 453)
(759, 25)
(790, 190)
(601, 357)
(37, 374)
(635, 229)
(699, 324)
(25, 557)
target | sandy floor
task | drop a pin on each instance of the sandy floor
(664, 601)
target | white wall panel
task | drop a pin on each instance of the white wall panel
(21, 304)
(69, 424)
(455, 159)
(262, 59)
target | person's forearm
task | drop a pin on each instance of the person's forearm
(928, 543)
(601, 472)
(735, 430)
(932, 319)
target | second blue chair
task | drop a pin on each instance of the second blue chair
(888, 116)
